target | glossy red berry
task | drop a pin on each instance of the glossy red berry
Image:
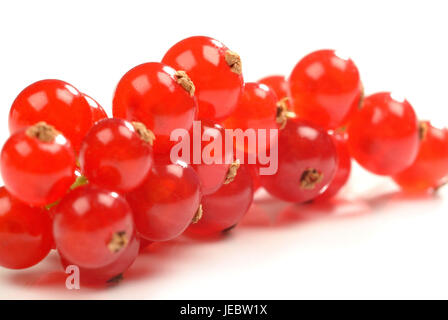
(277, 83)
(111, 273)
(343, 167)
(383, 135)
(159, 97)
(38, 165)
(257, 109)
(25, 233)
(307, 161)
(117, 154)
(92, 226)
(58, 104)
(215, 71)
(225, 208)
(325, 89)
(166, 203)
(211, 167)
(430, 168)
(98, 112)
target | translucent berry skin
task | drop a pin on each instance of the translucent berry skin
(217, 87)
(302, 148)
(165, 204)
(211, 174)
(149, 93)
(98, 112)
(325, 89)
(257, 109)
(37, 172)
(430, 168)
(103, 275)
(225, 208)
(57, 103)
(383, 135)
(25, 233)
(114, 156)
(277, 83)
(92, 226)
(343, 167)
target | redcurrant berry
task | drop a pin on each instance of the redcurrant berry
(166, 203)
(278, 84)
(430, 168)
(92, 227)
(215, 71)
(25, 233)
(225, 208)
(38, 165)
(256, 110)
(98, 112)
(343, 167)
(325, 89)
(307, 162)
(111, 273)
(212, 168)
(383, 135)
(58, 104)
(159, 97)
(117, 154)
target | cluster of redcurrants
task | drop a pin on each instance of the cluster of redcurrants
(100, 189)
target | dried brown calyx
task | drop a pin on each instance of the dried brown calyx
(310, 178)
(422, 130)
(144, 133)
(198, 215)
(42, 131)
(119, 241)
(233, 170)
(283, 113)
(361, 99)
(234, 61)
(185, 82)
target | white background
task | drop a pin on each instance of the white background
(373, 242)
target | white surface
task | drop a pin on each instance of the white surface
(376, 243)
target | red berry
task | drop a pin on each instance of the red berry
(430, 168)
(278, 84)
(212, 174)
(215, 71)
(117, 154)
(98, 112)
(343, 167)
(383, 135)
(325, 89)
(256, 110)
(38, 165)
(25, 233)
(159, 97)
(166, 203)
(92, 227)
(307, 162)
(225, 208)
(112, 272)
(55, 102)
